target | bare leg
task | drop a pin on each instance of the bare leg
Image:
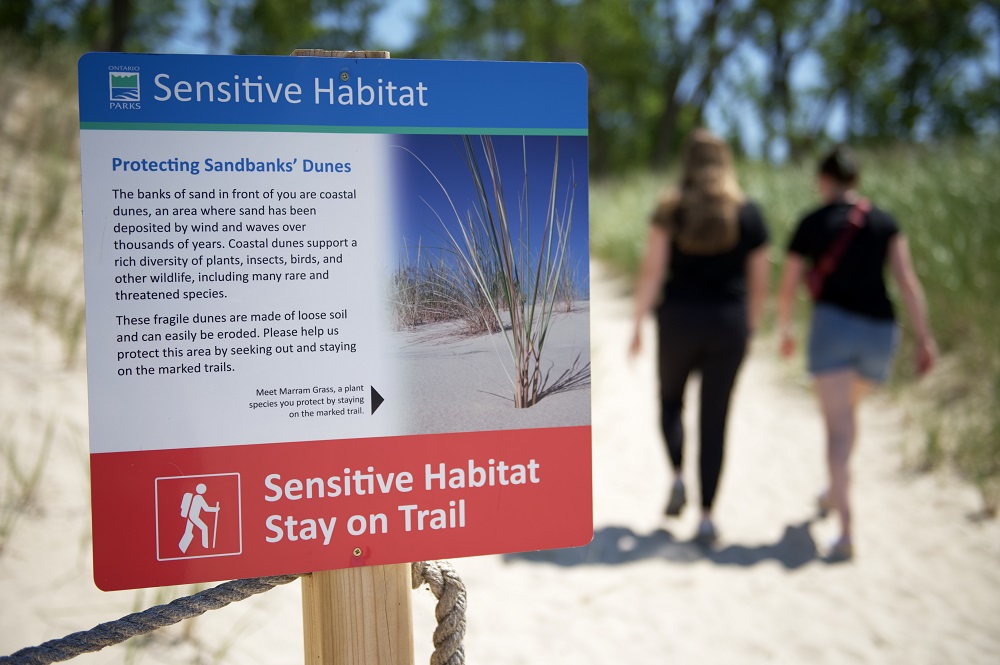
(838, 393)
(859, 389)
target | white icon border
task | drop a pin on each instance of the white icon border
(239, 521)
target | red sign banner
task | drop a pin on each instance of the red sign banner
(269, 509)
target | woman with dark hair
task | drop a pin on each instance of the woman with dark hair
(706, 263)
(841, 249)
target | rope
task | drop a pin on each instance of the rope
(140, 623)
(448, 588)
(442, 579)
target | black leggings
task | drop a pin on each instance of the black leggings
(710, 339)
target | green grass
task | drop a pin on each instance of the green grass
(945, 197)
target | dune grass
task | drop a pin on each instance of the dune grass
(21, 479)
(41, 264)
(497, 275)
(946, 199)
(428, 287)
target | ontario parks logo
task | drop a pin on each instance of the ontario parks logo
(123, 87)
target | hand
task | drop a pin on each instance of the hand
(636, 344)
(787, 344)
(926, 355)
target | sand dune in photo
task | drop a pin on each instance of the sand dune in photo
(457, 383)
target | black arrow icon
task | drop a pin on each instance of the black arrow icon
(376, 400)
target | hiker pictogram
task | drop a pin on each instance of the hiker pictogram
(192, 506)
(198, 516)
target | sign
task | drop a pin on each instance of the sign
(337, 312)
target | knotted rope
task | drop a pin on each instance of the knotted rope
(448, 588)
(439, 575)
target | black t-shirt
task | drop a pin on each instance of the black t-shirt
(857, 284)
(719, 278)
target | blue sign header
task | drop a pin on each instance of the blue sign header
(123, 90)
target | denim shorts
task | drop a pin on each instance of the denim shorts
(840, 339)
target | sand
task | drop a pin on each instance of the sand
(460, 383)
(924, 588)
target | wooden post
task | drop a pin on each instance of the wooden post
(358, 616)
(323, 53)
(362, 615)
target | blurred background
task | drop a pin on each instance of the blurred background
(914, 86)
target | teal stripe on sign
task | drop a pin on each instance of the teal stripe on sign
(330, 129)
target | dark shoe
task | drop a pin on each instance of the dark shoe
(678, 497)
(706, 533)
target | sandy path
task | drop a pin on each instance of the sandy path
(925, 587)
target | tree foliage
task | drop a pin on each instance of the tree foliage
(99, 25)
(277, 27)
(794, 72)
(775, 76)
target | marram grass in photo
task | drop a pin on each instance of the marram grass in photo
(425, 289)
(497, 272)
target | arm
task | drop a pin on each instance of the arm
(758, 281)
(651, 274)
(913, 297)
(791, 276)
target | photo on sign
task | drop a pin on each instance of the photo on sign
(489, 294)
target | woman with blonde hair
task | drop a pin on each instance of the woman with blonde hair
(705, 270)
(842, 250)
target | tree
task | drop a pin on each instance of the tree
(277, 27)
(15, 15)
(910, 71)
(691, 49)
(796, 72)
(652, 65)
(99, 25)
(785, 32)
(608, 37)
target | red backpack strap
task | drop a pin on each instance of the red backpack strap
(858, 213)
(827, 263)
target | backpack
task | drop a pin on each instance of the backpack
(186, 503)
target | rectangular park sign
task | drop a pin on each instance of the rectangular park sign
(337, 312)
